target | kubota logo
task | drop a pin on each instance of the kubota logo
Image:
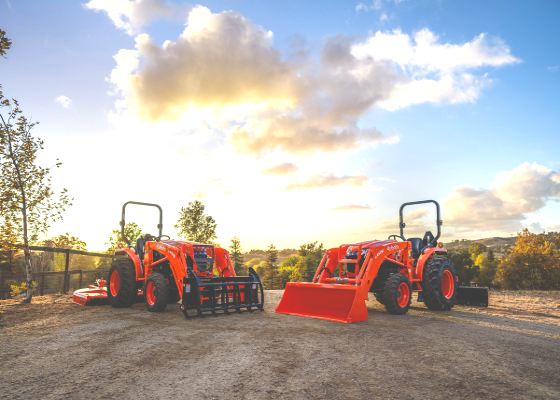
(393, 247)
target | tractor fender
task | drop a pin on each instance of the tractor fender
(135, 260)
(425, 256)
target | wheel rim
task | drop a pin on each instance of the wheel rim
(403, 295)
(150, 293)
(447, 284)
(115, 283)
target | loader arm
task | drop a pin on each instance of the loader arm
(342, 298)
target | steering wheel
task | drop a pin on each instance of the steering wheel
(167, 237)
(149, 238)
(394, 237)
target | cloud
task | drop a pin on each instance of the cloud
(352, 207)
(132, 15)
(322, 181)
(224, 69)
(553, 68)
(434, 72)
(281, 169)
(503, 207)
(64, 101)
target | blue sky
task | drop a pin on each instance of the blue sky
(486, 147)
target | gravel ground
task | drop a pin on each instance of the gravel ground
(53, 349)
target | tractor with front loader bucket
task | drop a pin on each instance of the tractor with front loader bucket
(199, 276)
(391, 269)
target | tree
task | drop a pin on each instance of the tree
(65, 241)
(488, 267)
(131, 232)
(28, 204)
(195, 225)
(5, 43)
(270, 278)
(311, 255)
(237, 256)
(466, 269)
(532, 263)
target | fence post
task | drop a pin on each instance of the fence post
(42, 290)
(66, 283)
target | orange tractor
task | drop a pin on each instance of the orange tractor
(199, 276)
(392, 269)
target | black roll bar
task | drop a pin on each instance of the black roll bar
(439, 222)
(138, 203)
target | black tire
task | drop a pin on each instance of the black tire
(125, 294)
(157, 284)
(392, 294)
(378, 296)
(435, 270)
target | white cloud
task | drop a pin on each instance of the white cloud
(434, 72)
(514, 194)
(64, 101)
(132, 15)
(224, 71)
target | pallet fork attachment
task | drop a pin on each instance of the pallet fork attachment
(221, 294)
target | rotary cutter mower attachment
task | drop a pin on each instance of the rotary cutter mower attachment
(391, 269)
(199, 276)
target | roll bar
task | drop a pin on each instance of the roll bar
(138, 203)
(439, 222)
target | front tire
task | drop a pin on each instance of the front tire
(397, 294)
(121, 283)
(439, 284)
(156, 292)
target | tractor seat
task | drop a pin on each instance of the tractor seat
(140, 242)
(416, 245)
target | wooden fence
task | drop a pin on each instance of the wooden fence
(40, 277)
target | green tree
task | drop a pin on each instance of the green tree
(65, 241)
(532, 263)
(289, 270)
(28, 204)
(5, 43)
(466, 269)
(237, 256)
(270, 277)
(311, 255)
(195, 225)
(488, 267)
(131, 232)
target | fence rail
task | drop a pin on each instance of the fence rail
(40, 277)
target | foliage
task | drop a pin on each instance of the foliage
(311, 255)
(131, 232)
(28, 204)
(195, 225)
(533, 263)
(5, 43)
(17, 288)
(237, 256)
(466, 268)
(65, 241)
(270, 277)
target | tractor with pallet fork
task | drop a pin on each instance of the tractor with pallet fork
(391, 269)
(199, 276)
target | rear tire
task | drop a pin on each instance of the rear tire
(439, 284)
(121, 283)
(156, 291)
(397, 294)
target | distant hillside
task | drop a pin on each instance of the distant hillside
(498, 244)
(261, 254)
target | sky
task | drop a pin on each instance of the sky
(294, 121)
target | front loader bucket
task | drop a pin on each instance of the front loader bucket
(472, 296)
(339, 303)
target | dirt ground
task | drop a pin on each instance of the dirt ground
(53, 349)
